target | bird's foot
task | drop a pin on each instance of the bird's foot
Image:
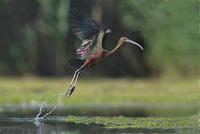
(67, 91)
(71, 91)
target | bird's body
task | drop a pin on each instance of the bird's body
(91, 50)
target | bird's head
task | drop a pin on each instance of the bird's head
(107, 31)
(124, 39)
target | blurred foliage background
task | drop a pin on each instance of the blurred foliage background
(36, 38)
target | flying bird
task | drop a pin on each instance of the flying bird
(91, 50)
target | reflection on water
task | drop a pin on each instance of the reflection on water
(26, 126)
(129, 110)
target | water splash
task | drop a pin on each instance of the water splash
(38, 119)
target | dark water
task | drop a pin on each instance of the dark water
(22, 124)
(53, 126)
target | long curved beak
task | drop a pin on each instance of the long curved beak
(135, 43)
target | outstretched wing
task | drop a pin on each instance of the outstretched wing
(83, 26)
(86, 30)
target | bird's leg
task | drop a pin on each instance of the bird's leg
(72, 90)
(76, 75)
(72, 81)
(76, 79)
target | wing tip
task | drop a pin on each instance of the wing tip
(82, 26)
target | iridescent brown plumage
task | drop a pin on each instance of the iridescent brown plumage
(91, 50)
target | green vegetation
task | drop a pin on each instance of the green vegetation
(128, 122)
(100, 90)
(168, 30)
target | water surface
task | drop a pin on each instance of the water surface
(55, 126)
(102, 119)
(80, 125)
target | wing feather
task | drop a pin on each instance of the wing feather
(83, 26)
(88, 31)
(86, 47)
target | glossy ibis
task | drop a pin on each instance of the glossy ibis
(91, 50)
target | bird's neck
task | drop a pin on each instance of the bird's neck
(108, 53)
(100, 37)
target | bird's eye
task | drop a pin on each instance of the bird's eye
(107, 30)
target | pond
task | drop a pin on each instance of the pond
(90, 119)
(54, 125)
